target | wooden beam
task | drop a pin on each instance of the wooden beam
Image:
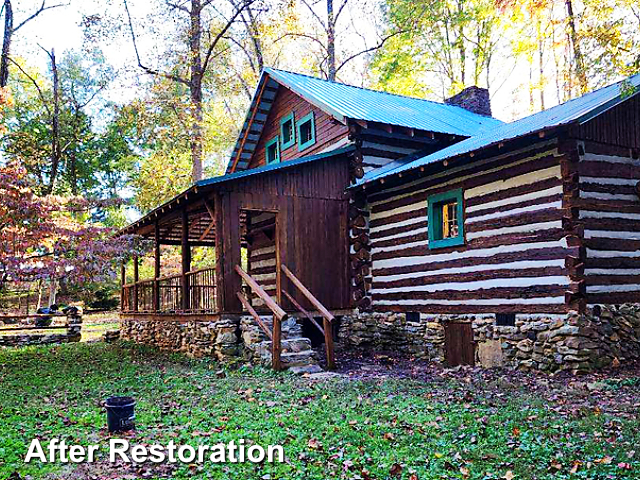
(302, 310)
(123, 282)
(186, 259)
(156, 267)
(328, 317)
(258, 290)
(276, 344)
(246, 134)
(136, 277)
(254, 314)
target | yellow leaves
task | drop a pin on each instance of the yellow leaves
(388, 436)
(509, 475)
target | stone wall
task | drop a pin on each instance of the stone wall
(606, 336)
(217, 338)
(73, 326)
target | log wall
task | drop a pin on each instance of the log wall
(610, 214)
(515, 253)
(262, 252)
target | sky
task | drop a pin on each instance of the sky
(60, 28)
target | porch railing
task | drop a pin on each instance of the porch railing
(166, 291)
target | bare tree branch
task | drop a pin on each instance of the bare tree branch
(178, 7)
(38, 12)
(222, 32)
(310, 7)
(35, 84)
(371, 49)
(344, 4)
(303, 35)
(151, 71)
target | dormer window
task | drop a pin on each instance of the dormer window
(306, 132)
(273, 150)
(287, 131)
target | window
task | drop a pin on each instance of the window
(506, 319)
(287, 131)
(446, 222)
(306, 132)
(412, 317)
(273, 150)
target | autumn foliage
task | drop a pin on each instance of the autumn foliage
(50, 237)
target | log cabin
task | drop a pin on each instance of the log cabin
(425, 228)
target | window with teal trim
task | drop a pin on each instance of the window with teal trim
(306, 132)
(287, 131)
(273, 150)
(446, 219)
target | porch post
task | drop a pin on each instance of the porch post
(156, 274)
(186, 259)
(219, 247)
(135, 283)
(123, 281)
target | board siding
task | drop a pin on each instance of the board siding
(311, 208)
(514, 256)
(328, 131)
(610, 213)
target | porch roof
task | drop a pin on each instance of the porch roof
(199, 207)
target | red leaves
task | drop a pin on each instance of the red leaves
(50, 237)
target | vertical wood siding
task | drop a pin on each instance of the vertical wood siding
(328, 131)
(514, 255)
(610, 213)
(311, 208)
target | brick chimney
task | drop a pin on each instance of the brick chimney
(474, 99)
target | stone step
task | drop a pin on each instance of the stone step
(291, 359)
(307, 369)
(289, 345)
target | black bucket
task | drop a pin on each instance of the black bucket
(120, 416)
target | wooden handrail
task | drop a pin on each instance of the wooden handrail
(279, 313)
(200, 270)
(302, 310)
(327, 316)
(313, 300)
(254, 314)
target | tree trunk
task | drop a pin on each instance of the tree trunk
(195, 88)
(255, 38)
(6, 43)
(55, 126)
(331, 43)
(577, 53)
(53, 291)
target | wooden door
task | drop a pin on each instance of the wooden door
(459, 346)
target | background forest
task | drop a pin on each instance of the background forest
(147, 96)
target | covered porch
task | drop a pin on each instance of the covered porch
(277, 242)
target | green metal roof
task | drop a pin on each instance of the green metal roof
(343, 101)
(579, 110)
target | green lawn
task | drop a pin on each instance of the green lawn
(377, 428)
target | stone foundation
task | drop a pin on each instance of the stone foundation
(73, 333)
(573, 342)
(196, 338)
(225, 339)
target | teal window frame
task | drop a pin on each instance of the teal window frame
(312, 140)
(275, 140)
(291, 117)
(435, 219)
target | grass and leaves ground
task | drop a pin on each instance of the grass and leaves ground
(372, 422)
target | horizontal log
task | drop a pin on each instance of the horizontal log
(552, 253)
(481, 294)
(471, 277)
(472, 309)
